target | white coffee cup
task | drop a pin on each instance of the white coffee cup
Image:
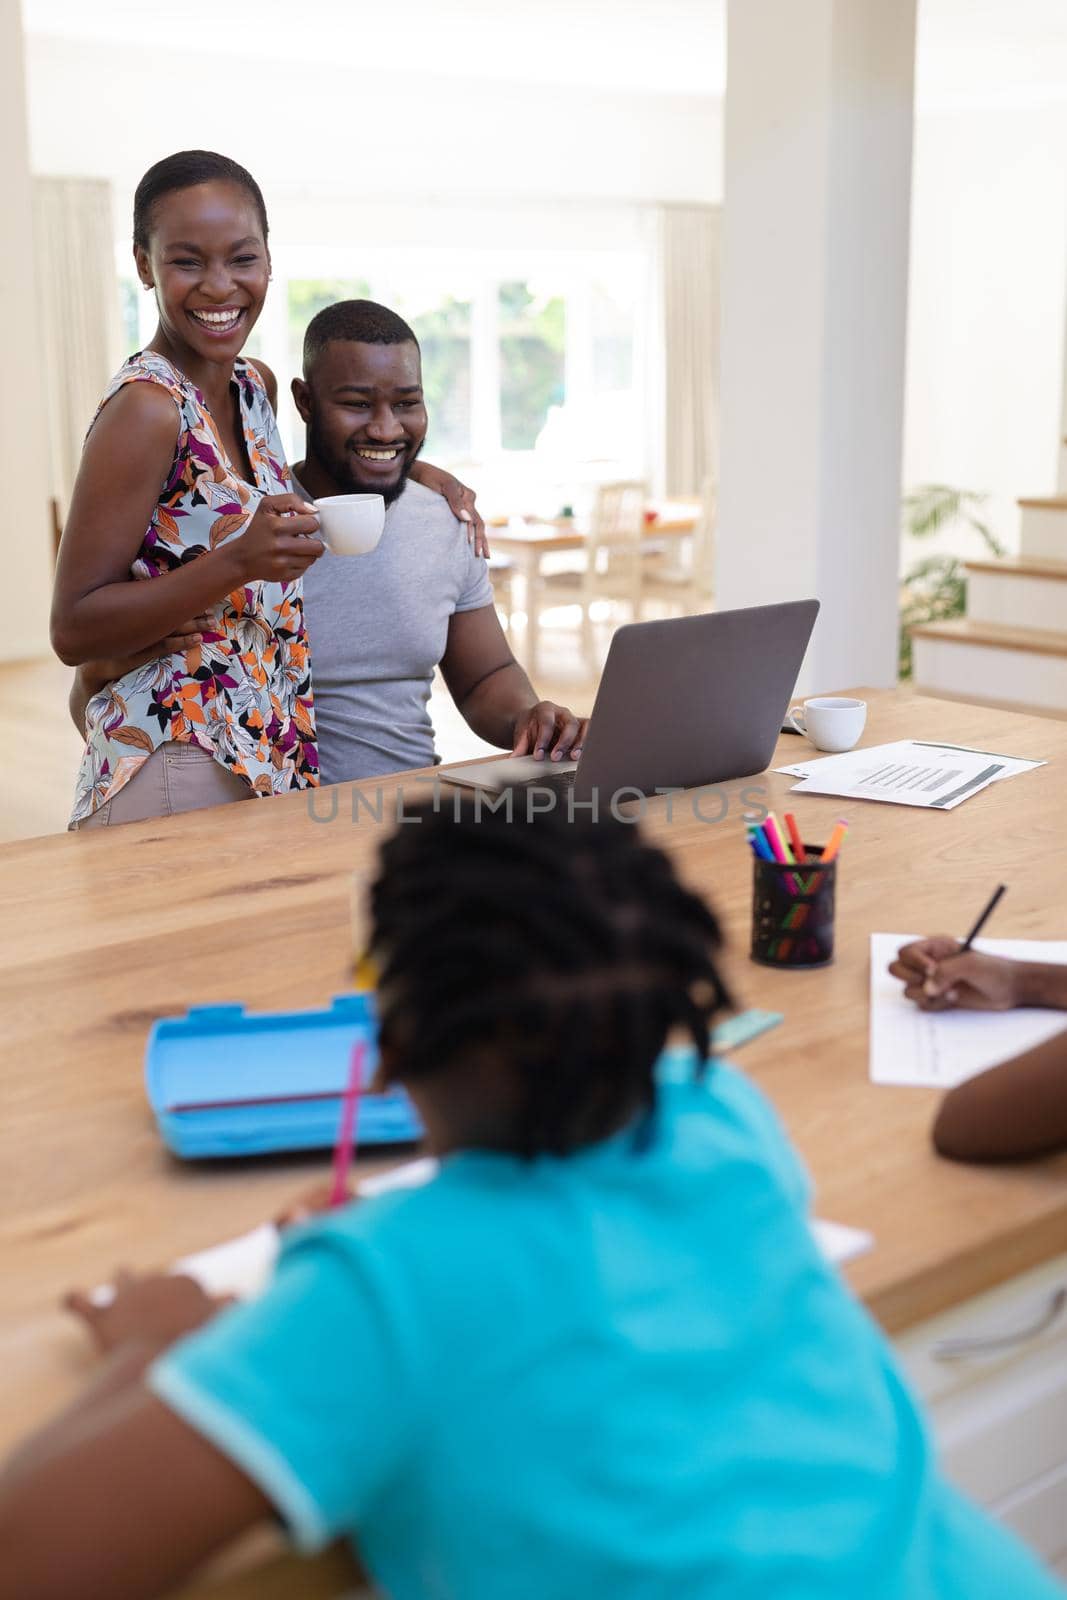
(350, 524)
(831, 723)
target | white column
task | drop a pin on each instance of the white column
(26, 525)
(819, 106)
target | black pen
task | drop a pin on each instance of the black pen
(984, 918)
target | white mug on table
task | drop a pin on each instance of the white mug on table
(831, 723)
(350, 524)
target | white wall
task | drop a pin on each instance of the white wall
(25, 532)
(521, 165)
(112, 111)
(987, 297)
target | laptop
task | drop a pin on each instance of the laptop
(682, 703)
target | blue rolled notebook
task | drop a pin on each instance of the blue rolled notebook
(223, 1082)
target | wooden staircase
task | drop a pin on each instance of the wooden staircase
(1011, 648)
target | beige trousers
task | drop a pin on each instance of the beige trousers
(176, 777)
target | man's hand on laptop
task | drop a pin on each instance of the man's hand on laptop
(551, 730)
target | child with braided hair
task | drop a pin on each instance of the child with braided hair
(598, 1354)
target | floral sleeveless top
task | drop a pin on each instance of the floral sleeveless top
(244, 693)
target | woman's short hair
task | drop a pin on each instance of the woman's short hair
(185, 170)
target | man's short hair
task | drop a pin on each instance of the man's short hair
(362, 321)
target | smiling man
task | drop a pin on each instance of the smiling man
(380, 624)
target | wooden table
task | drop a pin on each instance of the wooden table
(671, 517)
(529, 542)
(105, 931)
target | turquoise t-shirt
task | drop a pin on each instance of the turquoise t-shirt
(626, 1373)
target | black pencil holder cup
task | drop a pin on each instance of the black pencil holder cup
(793, 912)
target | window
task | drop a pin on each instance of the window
(532, 334)
(444, 334)
(532, 373)
(611, 310)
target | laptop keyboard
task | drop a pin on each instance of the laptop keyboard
(551, 778)
(555, 780)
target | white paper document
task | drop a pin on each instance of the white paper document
(942, 1048)
(910, 772)
(240, 1266)
(840, 1243)
(243, 1266)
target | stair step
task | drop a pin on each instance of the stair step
(989, 663)
(1021, 567)
(1043, 532)
(995, 636)
(1018, 592)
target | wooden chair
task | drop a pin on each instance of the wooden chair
(689, 585)
(611, 562)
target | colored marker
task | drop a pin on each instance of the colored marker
(782, 854)
(797, 842)
(774, 839)
(835, 841)
(758, 841)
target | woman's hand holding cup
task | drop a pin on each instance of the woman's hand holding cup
(280, 542)
(351, 524)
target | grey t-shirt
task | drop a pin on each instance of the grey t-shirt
(378, 627)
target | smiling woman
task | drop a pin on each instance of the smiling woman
(194, 712)
(194, 688)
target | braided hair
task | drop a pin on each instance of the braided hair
(568, 949)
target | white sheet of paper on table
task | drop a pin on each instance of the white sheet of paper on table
(939, 1049)
(908, 772)
(243, 1266)
(840, 1243)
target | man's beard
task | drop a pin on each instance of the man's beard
(343, 468)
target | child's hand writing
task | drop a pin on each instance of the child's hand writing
(940, 976)
(151, 1309)
(311, 1203)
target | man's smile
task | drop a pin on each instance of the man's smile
(379, 464)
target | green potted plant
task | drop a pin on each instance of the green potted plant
(935, 588)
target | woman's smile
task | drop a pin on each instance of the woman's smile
(220, 321)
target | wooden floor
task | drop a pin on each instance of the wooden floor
(42, 749)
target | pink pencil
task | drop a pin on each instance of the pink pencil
(345, 1148)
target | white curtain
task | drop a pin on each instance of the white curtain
(78, 295)
(689, 256)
